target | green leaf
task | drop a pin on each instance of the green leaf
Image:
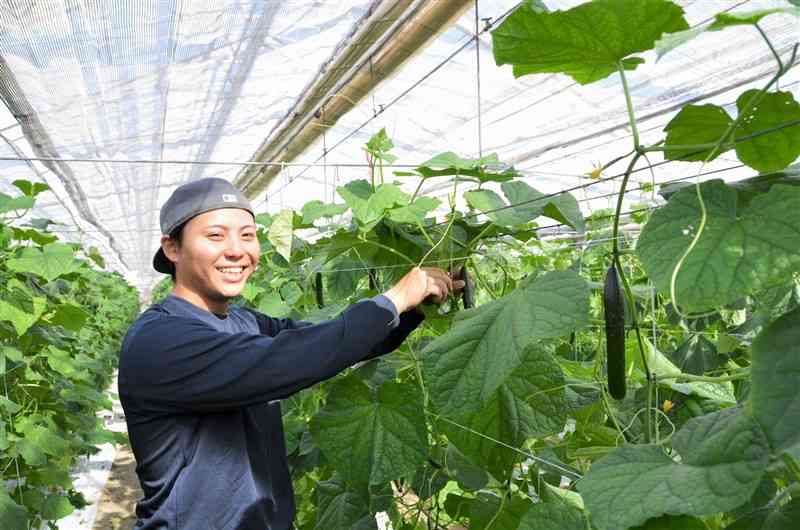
(251, 292)
(415, 212)
(29, 188)
(12, 204)
(372, 437)
(672, 522)
(12, 515)
(341, 509)
(469, 476)
(775, 369)
(281, 232)
(726, 20)
(466, 365)
(368, 207)
(22, 313)
(52, 261)
(782, 517)
(449, 163)
(778, 149)
(554, 514)
(670, 41)
(56, 507)
(491, 202)
(9, 406)
(69, 316)
(723, 456)
(314, 210)
(94, 255)
(271, 304)
(585, 42)
(488, 509)
(530, 403)
(37, 442)
(739, 252)
(695, 124)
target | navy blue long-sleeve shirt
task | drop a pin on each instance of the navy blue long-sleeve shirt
(200, 395)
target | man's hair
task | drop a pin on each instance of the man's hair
(177, 236)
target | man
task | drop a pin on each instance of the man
(200, 379)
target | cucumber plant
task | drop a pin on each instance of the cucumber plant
(62, 319)
(498, 416)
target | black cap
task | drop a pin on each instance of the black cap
(190, 200)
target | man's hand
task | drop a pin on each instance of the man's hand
(419, 284)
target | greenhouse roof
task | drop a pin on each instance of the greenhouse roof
(114, 104)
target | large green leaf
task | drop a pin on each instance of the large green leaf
(489, 512)
(703, 124)
(415, 212)
(341, 509)
(52, 261)
(22, 313)
(672, 522)
(314, 210)
(12, 515)
(530, 403)
(695, 124)
(281, 232)
(56, 507)
(739, 252)
(562, 207)
(775, 370)
(778, 149)
(585, 42)
(498, 210)
(554, 514)
(70, 316)
(372, 436)
(723, 456)
(465, 366)
(369, 207)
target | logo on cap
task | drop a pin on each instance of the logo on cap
(228, 198)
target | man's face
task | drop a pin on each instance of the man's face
(218, 252)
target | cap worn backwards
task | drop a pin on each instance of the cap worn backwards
(191, 200)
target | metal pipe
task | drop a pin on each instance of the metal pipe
(387, 39)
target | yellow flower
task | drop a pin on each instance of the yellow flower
(596, 172)
(667, 406)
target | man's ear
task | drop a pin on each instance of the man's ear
(170, 248)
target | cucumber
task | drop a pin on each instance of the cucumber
(614, 306)
(318, 290)
(468, 294)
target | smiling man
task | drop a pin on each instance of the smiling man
(200, 379)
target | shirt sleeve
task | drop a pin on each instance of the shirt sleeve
(179, 364)
(402, 326)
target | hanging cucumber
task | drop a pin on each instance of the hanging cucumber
(468, 294)
(318, 290)
(614, 306)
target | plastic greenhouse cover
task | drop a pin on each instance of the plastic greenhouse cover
(208, 80)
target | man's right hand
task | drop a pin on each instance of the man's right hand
(419, 284)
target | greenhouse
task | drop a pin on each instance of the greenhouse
(408, 265)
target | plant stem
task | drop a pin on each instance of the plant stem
(629, 103)
(708, 379)
(618, 213)
(771, 47)
(414, 196)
